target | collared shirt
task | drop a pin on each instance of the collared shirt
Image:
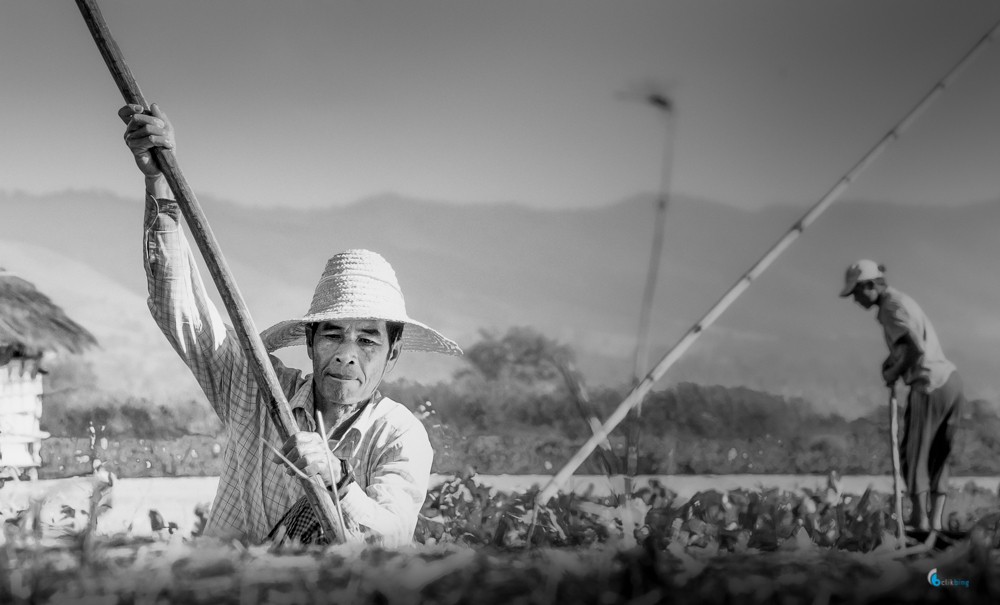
(386, 446)
(900, 315)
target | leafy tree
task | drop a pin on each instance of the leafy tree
(523, 354)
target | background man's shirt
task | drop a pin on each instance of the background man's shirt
(901, 315)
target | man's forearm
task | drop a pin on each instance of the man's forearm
(904, 356)
(391, 517)
(390, 504)
(180, 305)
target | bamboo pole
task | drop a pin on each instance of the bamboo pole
(641, 358)
(640, 390)
(246, 331)
(897, 487)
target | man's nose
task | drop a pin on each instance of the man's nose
(346, 354)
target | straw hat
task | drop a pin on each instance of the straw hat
(861, 271)
(359, 284)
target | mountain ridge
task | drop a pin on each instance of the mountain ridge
(578, 274)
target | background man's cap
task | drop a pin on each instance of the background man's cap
(863, 270)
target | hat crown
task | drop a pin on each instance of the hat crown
(863, 270)
(358, 284)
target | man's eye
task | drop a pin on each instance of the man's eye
(368, 341)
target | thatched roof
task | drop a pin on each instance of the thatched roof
(31, 324)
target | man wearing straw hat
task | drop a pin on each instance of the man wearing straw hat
(354, 331)
(935, 397)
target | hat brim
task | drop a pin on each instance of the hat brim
(416, 336)
(848, 288)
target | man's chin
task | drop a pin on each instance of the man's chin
(345, 395)
(341, 394)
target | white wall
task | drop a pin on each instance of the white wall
(20, 412)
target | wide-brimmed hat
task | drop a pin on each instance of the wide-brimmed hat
(359, 284)
(861, 271)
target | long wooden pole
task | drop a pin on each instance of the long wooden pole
(246, 331)
(640, 390)
(897, 484)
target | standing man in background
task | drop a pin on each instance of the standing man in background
(935, 399)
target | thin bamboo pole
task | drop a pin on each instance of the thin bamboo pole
(321, 423)
(574, 382)
(641, 358)
(243, 324)
(897, 483)
(640, 390)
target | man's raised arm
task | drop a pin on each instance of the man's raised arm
(178, 300)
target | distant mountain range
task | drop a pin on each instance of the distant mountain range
(575, 274)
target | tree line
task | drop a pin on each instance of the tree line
(512, 409)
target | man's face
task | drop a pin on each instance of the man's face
(349, 358)
(865, 294)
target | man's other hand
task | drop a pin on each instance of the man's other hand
(891, 369)
(307, 451)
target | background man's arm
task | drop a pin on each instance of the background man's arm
(904, 333)
(904, 355)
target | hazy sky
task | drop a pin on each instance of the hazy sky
(310, 103)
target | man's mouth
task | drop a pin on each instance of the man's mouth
(341, 377)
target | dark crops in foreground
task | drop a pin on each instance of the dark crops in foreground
(511, 412)
(475, 545)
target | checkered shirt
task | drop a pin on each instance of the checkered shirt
(386, 447)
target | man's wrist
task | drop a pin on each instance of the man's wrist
(158, 187)
(343, 486)
(345, 481)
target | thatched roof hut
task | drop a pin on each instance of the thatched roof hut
(31, 324)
